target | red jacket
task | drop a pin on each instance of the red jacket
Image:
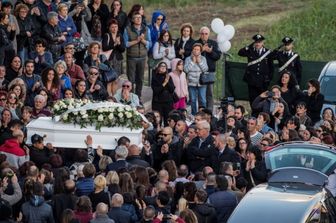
(15, 155)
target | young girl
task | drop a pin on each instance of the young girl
(180, 82)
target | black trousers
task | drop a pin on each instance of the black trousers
(164, 109)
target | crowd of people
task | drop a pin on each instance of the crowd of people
(193, 167)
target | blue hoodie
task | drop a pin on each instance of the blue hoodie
(155, 33)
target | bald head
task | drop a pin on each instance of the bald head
(69, 185)
(133, 150)
(163, 175)
(101, 208)
(117, 200)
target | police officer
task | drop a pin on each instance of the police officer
(259, 68)
(289, 60)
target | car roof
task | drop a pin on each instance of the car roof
(329, 69)
(277, 203)
(305, 144)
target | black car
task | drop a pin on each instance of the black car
(295, 192)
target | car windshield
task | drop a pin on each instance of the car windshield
(322, 160)
(328, 84)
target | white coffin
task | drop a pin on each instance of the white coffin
(73, 136)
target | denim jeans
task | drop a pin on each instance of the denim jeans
(197, 94)
(23, 54)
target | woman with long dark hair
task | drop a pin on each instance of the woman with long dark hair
(51, 82)
(163, 49)
(289, 92)
(314, 100)
(163, 90)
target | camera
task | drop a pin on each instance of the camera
(270, 94)
(225, 102)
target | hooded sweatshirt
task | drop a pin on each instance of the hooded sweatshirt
(155, 33)
(15, 155)
(179, 80)
(37, 210)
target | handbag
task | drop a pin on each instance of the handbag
(109, 52)
(206, 78)
(152, 63)
(109, 75)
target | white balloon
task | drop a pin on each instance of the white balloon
(229, 31)
(217, 25)
(221, 37)
(224, 46)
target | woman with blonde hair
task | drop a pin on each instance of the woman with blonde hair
(112, 181)
(188, 216)
(99, 194)
(103, 163)
(182, 205)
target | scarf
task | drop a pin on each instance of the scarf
(185, 39)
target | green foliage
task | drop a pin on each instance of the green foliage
(313, 29)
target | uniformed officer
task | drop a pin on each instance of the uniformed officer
(289, 60)
(259, 68)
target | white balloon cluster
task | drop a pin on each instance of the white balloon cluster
(224, 34)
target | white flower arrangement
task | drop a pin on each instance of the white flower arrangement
(98, 114)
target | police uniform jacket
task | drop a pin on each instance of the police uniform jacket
(294, 67)
(258, 74)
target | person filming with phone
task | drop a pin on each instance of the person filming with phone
(269, 101)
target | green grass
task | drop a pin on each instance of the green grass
(313, 29)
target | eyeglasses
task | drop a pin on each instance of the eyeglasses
(12, 97)
(242, 143)
(126, 86)
(159, 19)
(92, 73)
(318, 130)
(204, 33)
(3, 99)
(165, 135)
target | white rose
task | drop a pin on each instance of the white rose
(110, 116)
(128, 108)
(75, 113)
(65, 117)
(111, 109)
(84, 116)
(105, 109)
(70, 106)
(120, 115)
(119, 109)
(56, 107)
(100, 118)
(100, 110)
(83, 112)
(128, 115)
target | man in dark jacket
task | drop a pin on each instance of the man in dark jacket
(201, 148)
(205, 213)
(169, 147)
(259, 68)
(53, 35)
(33, 82)
(39, 153)
(101, 214)
(121, 153)
(116, 213)
(134, 157)
(65, 200)
(36, 209)
(223, 200)
(223, 153)
(212, 54)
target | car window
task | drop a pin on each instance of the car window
(322, 160)
(328, 88)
